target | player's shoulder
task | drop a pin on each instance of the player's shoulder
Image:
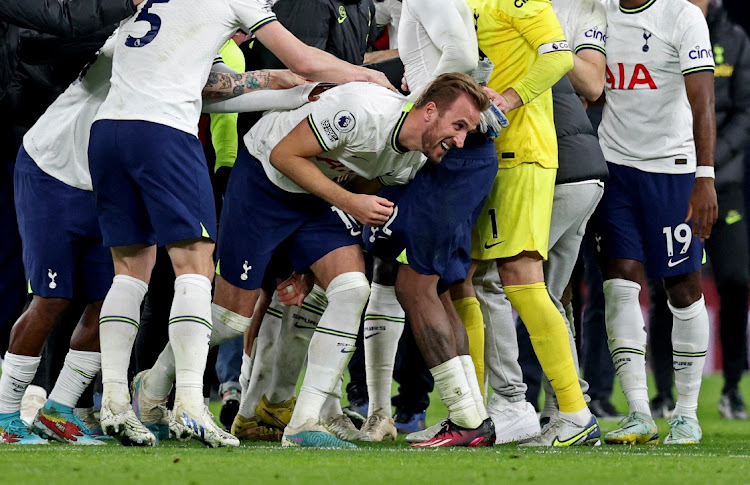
(366, 103)
(519, 8)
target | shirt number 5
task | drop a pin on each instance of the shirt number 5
(153, 20)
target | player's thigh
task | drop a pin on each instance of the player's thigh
(516, 216)
(172, 176)
(728, 246)
(47, 211)
(618, 223)
(671, 248)
(120, 207)
(257, 217)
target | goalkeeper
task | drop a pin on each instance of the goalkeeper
(525, 42)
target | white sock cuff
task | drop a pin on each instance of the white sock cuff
(90, 359)
(447, 366)
(232, 320)
(246, 360)
(689, 312)
(621, 283)
(21, 360)
(197, 280)
(317, 297)
(383, 292)
(348, 281)
(139, 286)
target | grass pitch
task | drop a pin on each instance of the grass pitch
(722, 457)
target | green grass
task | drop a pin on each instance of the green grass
(723, 457)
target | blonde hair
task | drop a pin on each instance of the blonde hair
(446, 88)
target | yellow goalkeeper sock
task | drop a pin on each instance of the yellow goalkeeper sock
(470, 313)
(549, 337)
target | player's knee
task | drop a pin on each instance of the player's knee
(351, 287)
(683, 290)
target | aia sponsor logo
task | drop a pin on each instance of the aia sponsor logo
(638, 78)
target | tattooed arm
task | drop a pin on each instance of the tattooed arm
(224, 85)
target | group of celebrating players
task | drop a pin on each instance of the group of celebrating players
(454, 189)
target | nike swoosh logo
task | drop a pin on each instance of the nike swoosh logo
(341, 19)
(488, 246)
(574, 439)
(372, 335)
(346, 351)
(672, 264)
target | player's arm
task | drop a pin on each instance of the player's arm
(588, 73)
(290, 157)
(703, 208)
(225, 85)
(312, 63)
(66, 19)
(447, 31)
(542, 30)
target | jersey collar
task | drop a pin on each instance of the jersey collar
(397, 147)
(637, 9)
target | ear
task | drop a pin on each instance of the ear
(430, 111)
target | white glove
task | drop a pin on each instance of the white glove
(492, 121)
(482, 72)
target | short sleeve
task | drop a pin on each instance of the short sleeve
(335, 122)
(695, 51)
(591, 27)
(253, 14)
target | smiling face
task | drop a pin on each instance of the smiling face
(448, 128)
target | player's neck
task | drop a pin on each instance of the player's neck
(410, 136)
(632, 3)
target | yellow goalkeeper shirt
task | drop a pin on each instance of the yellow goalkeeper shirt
(510, 34)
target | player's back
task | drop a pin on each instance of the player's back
(647, 120)
(164, 53)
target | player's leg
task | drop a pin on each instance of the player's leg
(434, 332)
(515, 419)
(384, 324)
(341, 273)
(519, 243)
(727, 249)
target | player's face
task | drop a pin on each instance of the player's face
(449, 129)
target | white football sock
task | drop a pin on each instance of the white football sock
(297, 328)
(626, 332)
(246, 369)
(264, 348)
(690, 329)
(157, 382)
(79, 370)
(332, 345)
(18, 372)
(471, 378)
(226, 324)
(119, 320)
(332, 406)
(189, 335)
(384, 324)
(454, 390)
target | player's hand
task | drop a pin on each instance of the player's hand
(703, 208)
(370, 210)
(284, 79)
(293, 290)
(378, 77)
(492, 121)
(404, 85)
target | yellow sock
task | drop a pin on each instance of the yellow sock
(549, 337)
(471, 315)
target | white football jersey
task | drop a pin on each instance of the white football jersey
(647, 122)
(59, 140)
(163, 56)
(584, 23)
(388, 12)
(357, 126)
(435, 37)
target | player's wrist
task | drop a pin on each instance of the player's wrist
(705, 171)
